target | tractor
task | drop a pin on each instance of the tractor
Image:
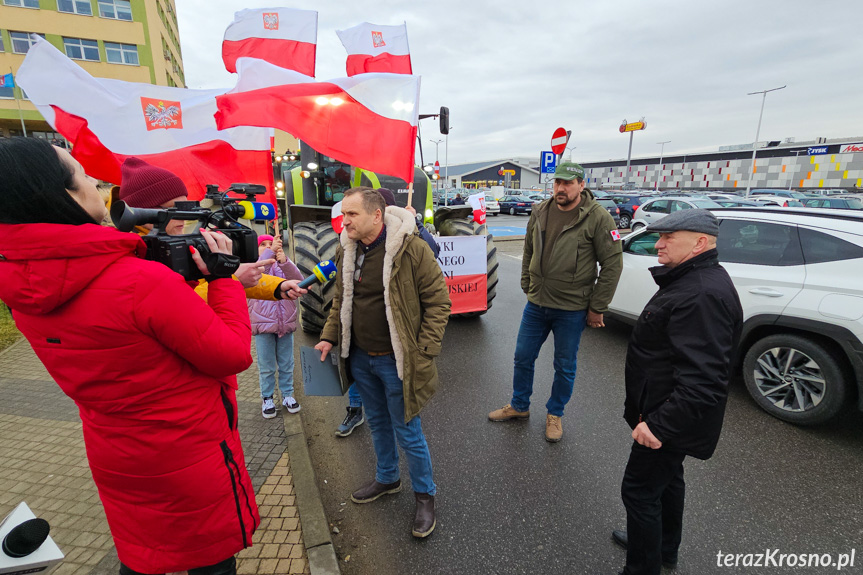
(319, 182)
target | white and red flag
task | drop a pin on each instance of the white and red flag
(284, 37)
(368, 121)
(107, 121)
(376, 48)
(477, 202)
(337, 218)
(462, 260)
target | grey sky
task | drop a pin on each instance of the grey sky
(512, 72)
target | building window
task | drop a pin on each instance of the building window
(79, 49)
(121, 53)
(116, 9)
(22, 3)
(75, 7)
(2, 46)
(21, 42)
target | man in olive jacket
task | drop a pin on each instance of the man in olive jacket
(389, 314)
(566, 237)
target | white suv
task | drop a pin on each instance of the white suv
(799, 274)
(655, 209)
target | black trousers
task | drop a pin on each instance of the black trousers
(226, 567)
(653, 492)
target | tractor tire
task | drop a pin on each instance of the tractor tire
(313, 243)
(469, 228)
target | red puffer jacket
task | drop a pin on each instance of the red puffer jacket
(152, 369)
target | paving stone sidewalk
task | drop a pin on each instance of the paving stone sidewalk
(44, 463)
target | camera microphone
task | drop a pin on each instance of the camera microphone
(25, 538)
(322, 273)
(246, 210)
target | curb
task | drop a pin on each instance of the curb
(507, 238)
(11, 347)
(316, 529)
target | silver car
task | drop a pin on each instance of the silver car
(492, 206)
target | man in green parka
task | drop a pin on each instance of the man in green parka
(566, 237)
(389, 314)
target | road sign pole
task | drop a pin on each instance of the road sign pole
(628, 157)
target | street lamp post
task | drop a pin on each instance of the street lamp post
(661, 150)
(436, 144)
(796, 155)
(571, 148)
(758, 133)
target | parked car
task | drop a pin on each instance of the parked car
(736, 203)
(654, 210)
(628, 204)
(799, 275)
(492, 206)
(779, 193)
(539, 197)
(840, 203)
(780, 201)
(612, 209)
(513, 205)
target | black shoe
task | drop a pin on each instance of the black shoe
(424, 519)
(374, 490)
(622, 539)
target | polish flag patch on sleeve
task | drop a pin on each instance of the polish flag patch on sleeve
(615, 235)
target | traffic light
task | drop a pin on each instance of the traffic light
(444, 120)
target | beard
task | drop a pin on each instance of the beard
(564, 200)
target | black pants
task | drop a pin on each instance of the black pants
(226, 567)
(653, 492)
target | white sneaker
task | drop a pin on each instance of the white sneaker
(268, 408)
(291, 404)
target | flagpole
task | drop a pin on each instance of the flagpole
(20, 114)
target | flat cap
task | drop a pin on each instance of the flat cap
(695, 220)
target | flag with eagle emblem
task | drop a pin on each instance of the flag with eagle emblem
(284, 37)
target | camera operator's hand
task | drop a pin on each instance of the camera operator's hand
(217, 242)
(250, 274)
(324, 347)
(291, 290)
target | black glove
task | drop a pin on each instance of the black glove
(221, 265)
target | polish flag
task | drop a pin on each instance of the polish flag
(284, 37)
(376, 48)
(477, 202)
(107, 121)
(337, 218)
(464, 265)
(368, 121)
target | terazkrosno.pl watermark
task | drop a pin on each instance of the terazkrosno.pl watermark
(775, 558)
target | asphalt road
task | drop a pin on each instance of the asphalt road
(510, 503)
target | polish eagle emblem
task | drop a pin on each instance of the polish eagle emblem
(378, 39)
(162, 114)
(271, 20)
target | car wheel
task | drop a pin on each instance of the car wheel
(624, 222)
(795, 379)
(512, 211)
(636, 227)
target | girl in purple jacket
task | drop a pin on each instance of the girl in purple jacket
(273, 325)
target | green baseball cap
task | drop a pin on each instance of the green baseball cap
(568, 171)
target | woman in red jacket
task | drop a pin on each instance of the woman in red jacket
(151, 366)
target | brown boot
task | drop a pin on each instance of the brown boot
(507, 412)
(424, 520)
(553, 428)
(374, 490)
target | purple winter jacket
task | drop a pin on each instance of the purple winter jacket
(279, 317)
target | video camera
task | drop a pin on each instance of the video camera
(173, 251)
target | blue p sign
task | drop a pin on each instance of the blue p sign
(548, 161)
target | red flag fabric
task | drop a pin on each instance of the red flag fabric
(376, 48)
(368, 121)
(107, 121)
(284, 37)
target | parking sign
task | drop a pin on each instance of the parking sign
(548, 161)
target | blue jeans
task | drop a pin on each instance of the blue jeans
(275, 351)
(354, 397)
(377, 380)
(536, 323)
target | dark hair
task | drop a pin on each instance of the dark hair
(33, 184)
(372, 199)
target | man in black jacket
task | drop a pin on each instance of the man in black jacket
(677, 368)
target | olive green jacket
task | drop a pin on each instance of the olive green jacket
(571, 281)
(417, 307)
